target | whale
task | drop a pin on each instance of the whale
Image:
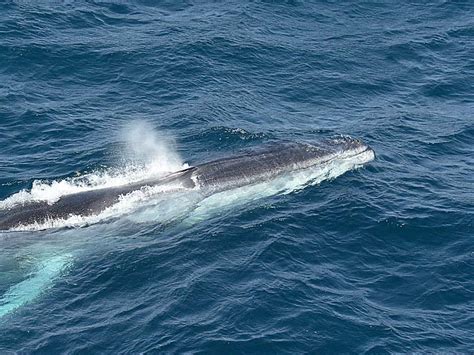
(195, 194)
(252, 166)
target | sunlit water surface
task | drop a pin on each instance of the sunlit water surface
(377, 260)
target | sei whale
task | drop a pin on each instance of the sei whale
(275, 168)
(247, 168)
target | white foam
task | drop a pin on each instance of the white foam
(126, 204)
(148, 154)
(51, 191)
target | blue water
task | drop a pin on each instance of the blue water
(378, 260)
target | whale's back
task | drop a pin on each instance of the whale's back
(258, 165)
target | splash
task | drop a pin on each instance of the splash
(155, 150)
(147, 154)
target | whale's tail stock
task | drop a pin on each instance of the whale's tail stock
(39, 279)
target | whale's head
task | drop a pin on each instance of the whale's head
(343, 148)
(349, 146)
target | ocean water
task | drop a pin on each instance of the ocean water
(378, 260)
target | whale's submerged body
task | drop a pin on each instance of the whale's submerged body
(263, 164)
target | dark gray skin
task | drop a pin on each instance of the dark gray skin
(215, 176)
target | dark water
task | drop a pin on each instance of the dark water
(378, 260)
